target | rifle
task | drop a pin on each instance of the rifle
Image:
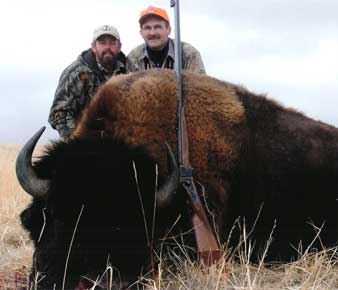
(209, 251)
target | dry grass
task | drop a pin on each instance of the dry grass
(311, 271)
(15, 248)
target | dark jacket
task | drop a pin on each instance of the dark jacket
(77, 85)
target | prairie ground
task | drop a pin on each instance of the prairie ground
(15, 247)
(312, 271)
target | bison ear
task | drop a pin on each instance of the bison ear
(167, 191)
(25, 172)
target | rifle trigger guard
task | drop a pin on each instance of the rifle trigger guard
(188, 184)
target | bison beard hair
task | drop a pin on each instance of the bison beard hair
(98, 175)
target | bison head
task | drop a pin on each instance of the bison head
(96, 202)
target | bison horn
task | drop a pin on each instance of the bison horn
(25, 173)
(167, 191)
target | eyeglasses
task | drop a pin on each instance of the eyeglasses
(156, 27)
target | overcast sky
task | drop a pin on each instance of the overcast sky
(287, 49)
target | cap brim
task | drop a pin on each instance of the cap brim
(141, 20)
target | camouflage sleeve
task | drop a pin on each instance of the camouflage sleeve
(192, 59)
(131, 65)
(135, 58)
(65, 106)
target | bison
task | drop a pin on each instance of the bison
(111, 193)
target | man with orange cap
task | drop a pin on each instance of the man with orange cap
(158, 49)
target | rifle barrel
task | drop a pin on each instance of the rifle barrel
(178, 70)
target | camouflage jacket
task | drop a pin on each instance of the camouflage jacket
(138, 58)
(77, 84)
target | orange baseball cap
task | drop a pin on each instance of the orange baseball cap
(152, 10)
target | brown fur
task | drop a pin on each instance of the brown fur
(141, 109)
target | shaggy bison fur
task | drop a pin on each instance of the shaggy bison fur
(261, 163)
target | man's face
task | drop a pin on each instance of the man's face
(155, 32)
(106, 47)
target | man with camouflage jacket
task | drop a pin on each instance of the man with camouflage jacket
(158, 49)
(81, 79)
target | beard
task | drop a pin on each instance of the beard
(108, 60)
